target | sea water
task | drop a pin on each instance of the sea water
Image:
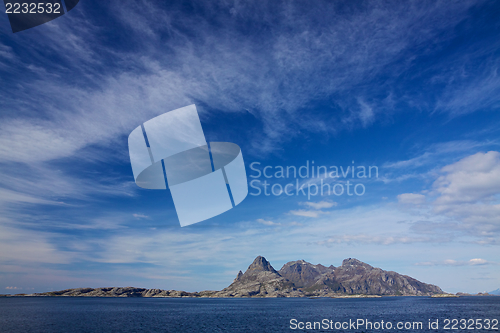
(81, 314)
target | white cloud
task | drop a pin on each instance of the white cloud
(478, 261)
(467, 193)
(140, 216)
(319, 205)
(411, 198)
(307, 213)
(316, 211)
(472, 179)
(265, 222)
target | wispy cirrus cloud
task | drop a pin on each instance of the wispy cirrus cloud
(468, 96)
(451, 262)
(217, 67)
(440, 152)
(21, 247)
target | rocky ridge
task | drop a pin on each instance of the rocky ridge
(121, 292)
(300, 278)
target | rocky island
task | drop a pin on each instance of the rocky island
(295, 279)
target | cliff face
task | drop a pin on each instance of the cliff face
(302, 273)
(294, 279)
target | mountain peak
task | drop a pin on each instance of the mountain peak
(261, 264)
(259, 279)
(354, 262)
(238, 277)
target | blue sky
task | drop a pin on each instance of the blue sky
(410, 87)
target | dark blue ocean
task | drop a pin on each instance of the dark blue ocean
(68, 314)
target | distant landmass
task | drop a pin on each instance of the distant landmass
(295, 279)
(495, 292)
(477, 294)
(491, 293)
